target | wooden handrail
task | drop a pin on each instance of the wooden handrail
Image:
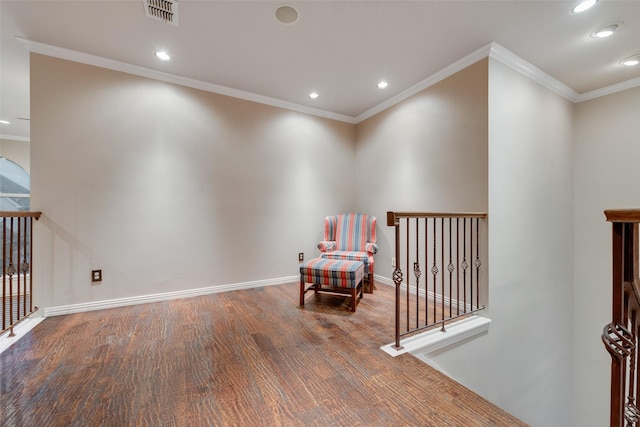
(623, 215)
(393, 216)
(20, 214)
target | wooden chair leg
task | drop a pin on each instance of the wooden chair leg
(302, 292)
(354, 298)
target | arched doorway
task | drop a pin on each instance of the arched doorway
(15, 184)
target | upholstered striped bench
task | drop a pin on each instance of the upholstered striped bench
(337, 277)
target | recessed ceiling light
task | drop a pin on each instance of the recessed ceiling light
(631, 61)
(382, 84)
(607, 30)
(314, 95)
(584, 5)
(164, 56)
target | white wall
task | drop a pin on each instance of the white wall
(607, 155)
(523, 364)
(425, 154)
(167, 188)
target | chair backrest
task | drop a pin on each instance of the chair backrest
(350, 231)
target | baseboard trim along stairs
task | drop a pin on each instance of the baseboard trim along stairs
(19, 330)
(434, 339)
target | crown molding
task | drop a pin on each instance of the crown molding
(609, 90)
(510, 59)
(98, 61)
(448, 71)
(513, 61)
(492, 50)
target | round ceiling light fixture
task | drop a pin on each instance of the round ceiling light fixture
(382, 84)
(162, 55)
(583, 6)
(314, 95)
(607, 30)
(286, 14)
(631, 61)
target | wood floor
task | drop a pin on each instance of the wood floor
(244, 358)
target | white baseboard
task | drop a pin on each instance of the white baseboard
(383, 280)
(166, 296)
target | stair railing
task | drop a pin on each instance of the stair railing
(444, 253)
(17, 268)
(620, 337)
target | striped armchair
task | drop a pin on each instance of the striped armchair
(352, 237)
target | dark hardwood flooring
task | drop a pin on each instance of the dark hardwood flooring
(244, 358)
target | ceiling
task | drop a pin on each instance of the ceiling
(340, 49)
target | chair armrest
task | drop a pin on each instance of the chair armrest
(327, 246)
(371, 248)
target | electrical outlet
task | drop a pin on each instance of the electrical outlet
(393, 262)
(301, 256)
(96, 276)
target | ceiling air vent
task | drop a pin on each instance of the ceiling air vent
(162, 10)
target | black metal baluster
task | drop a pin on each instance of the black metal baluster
(408, 309)
(478, 264)
(10, 271)
(434, 270)
(4, 274)
(450, 267)
(19, 247)
(442, 266)
(31, 308)
(417, 273)
(458, 264)
(465, 264)
(426, 263)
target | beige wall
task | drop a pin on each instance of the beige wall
(531, 274)
(523, 363)
(167, 188)
(428, 153)
(607, 155)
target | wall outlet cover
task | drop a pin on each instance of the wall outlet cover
(96, 276)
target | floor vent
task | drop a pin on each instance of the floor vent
(162, 10)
